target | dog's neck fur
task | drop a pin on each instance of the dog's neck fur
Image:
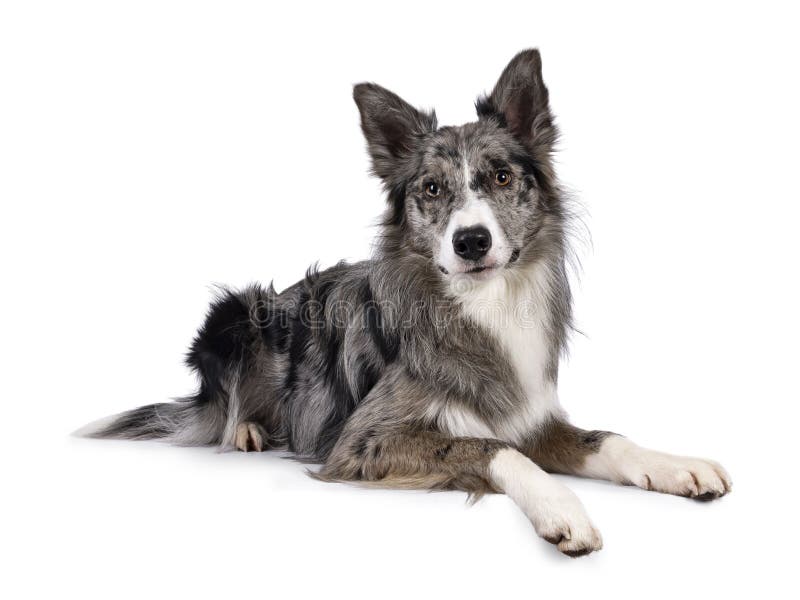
(522, 314)
(516, 309)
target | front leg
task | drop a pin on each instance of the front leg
(432, 460)
(562, 448)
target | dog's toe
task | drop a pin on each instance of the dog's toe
(572, 533)
(250, 437)
(581, 542)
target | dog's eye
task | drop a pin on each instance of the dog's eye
(432, 189)
(502, 178)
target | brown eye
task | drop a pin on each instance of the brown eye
(502, 177)
(431, 189)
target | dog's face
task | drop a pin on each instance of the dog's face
(471, 198)
(471, 202)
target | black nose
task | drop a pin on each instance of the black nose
(472, 243)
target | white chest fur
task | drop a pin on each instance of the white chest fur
(513, 308)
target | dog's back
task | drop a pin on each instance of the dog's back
(295, 363)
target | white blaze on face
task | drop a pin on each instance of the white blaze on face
(476, 212)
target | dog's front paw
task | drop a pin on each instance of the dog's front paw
(682, 476)
(563, 521)
(555, 512)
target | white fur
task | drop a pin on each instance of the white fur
(228, 441)
(555, 511)
(622, 461)
(511, 307)
(461, 422)
(95, 427)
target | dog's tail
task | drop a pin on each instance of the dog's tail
(187, 421)
(219, 355)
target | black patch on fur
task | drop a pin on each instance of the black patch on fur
(530, 167)
(527, 163)
(298, 344)
(323, 290)
(366, 378)
(328, 338)
(490, 446)
(279, 334)
(442, 453)
(487, 110)
(344, 398)
(386, 341)
(397, 206)
(377, 450)
(447, 152)
(332, 345)
(221, 343)
(593, 439)
(343, 401)
(477, 180)
(274, 327)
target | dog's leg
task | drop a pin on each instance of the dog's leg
(562, 448)
(435, 461)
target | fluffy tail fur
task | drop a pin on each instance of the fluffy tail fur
(184, 422)
(219, 356)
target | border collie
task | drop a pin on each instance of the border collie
(434, 364)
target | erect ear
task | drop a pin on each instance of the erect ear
(392, 127)
(520, 102)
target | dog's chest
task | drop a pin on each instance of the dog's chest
(515, 313)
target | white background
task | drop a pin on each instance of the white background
(151, 149)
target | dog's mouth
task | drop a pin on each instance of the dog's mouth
(483, 270)
(478, 269)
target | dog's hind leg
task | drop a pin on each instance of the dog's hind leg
(562, 448)
(250, 437)
(230, 356)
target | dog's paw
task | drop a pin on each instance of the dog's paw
(563, 521)
(556, 513)
(682, 476)
(679, 475)
(250, 437)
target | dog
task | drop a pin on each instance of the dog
(433, 365)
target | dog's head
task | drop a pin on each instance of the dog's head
(475, 199)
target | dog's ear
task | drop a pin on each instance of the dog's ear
(519, 102)
(392, 127)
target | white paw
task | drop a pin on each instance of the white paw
(562, 520)
(682, 476)
(250, 436)
(650, 470)
(556, 513)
